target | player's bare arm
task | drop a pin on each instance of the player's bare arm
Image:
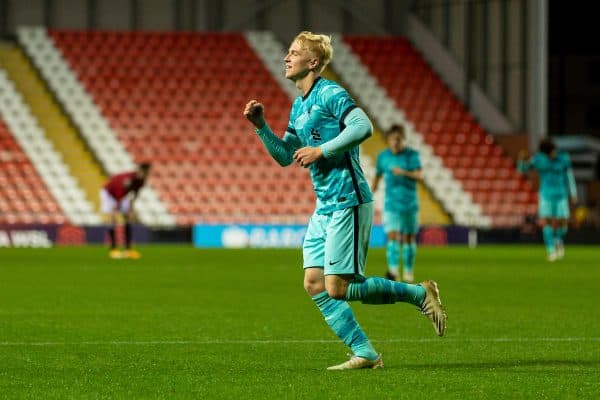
(375, 183)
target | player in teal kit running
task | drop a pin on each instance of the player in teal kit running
(323, 135)
(557, 185)
(401, 168)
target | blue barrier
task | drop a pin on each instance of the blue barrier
(246, 235)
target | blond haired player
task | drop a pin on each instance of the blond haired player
(323, 135)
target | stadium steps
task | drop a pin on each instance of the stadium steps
(48, 163)
(377, 103)
(470, 158)
(436, 203)
(93, 126)
(24, 198)
(170, 97)
(431, 211)
(55, 124)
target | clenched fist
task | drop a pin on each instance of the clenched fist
(255, 113)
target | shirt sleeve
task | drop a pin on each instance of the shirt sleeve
(569, 177)
(416, 162)
(338, 102)
(566, 160)
(282, 150)
(357, 129)
(571, 183)
(526, 166)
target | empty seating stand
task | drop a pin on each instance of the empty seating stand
(481, 166)
(176, 99)
(24, 198)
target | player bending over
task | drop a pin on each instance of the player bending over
(556, 186)
(117, 198)
(401, 168)
(323, 135)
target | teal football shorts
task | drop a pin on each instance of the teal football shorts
(553, 208)
(406, 222)
(338, 242)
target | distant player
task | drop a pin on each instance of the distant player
(117, 198)
(401, 168)
(557, 185)
(323, 135)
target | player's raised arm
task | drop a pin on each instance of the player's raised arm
(523, 164)
(282, 150)
(255, 113)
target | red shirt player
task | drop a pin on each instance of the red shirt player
(117, 198)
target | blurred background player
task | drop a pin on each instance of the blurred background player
(557, 185)
(117, 198)
(401, 168)
(323, 135)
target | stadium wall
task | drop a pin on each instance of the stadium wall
(284, 17)
(489, 40)
(50, 235)
(264, 236)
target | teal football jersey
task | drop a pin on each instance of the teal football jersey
(317, 118)
(400, 191)
(553, 174)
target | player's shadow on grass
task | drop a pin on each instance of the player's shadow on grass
(505, 364)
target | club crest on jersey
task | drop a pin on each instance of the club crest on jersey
(316, 135)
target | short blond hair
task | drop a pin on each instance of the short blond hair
(319, 44)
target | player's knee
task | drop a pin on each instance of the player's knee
(337, 292)
(337, 285)
(313, 286)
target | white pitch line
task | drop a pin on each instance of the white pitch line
(296, 341)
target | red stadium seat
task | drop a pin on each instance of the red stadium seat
(158, 107)
(24, 197)
(437, 114)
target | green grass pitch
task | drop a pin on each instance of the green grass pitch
(212, 324)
